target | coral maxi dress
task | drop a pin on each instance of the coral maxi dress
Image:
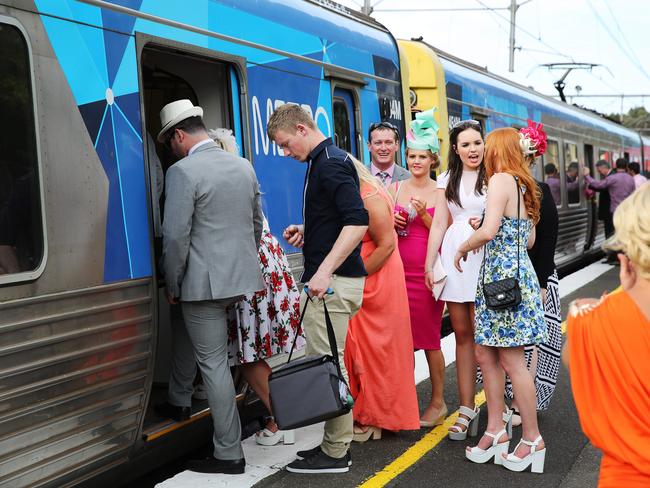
(379, 348)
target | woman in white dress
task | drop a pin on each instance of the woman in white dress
(463, 196)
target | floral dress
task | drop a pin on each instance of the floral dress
(520, 325)
(263, 324)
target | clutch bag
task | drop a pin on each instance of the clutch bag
(439, 278)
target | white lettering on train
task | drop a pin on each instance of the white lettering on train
(259, 126)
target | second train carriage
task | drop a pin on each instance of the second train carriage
(576, 138)
(84, 333)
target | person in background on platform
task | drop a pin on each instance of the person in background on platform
(512, 210)
(543, 360)
(379, 346)
(461, 192)
(553, 182)
(604, 170)
(619, 185)
(611, 336)
(634, 169)
(211, 231)
(383, 144)
(263, 323)
(573, 182)
(415, 203)
(335, 223)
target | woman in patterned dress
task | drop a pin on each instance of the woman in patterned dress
(264, 323)
(512, 210)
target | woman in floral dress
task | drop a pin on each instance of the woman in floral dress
(264, 323)
(512, 210)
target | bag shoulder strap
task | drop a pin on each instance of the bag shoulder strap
(330, 336)
(518, 218)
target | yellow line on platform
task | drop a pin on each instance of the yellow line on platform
(416, 451)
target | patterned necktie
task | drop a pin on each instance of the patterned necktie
(383, 176)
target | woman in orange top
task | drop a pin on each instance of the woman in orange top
(379, 346)
(607, 350)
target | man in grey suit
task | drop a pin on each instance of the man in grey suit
(211, 231)
(383, 144)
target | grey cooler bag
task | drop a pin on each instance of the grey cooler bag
(312, 389)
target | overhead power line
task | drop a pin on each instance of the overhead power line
(615, 38)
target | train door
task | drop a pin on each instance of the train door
(171, 73)
(346, 118)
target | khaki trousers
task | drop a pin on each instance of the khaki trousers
(342, 305)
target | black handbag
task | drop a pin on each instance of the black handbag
(312, 389)
(504, 294)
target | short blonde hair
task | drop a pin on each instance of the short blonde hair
(632, 235)
(286, 118)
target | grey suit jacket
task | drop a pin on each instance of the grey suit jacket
(212, 226)
(400, 174)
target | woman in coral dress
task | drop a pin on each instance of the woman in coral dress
(378, 347)
(608, 343)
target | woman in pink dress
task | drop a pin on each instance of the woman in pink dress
(415, 201)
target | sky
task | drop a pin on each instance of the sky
(612, 33)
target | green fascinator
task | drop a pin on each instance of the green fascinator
(423, 132)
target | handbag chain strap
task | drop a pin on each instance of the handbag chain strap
(518, 215)
(330, 335)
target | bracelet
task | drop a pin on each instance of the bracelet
(428, 271)
(469, 244)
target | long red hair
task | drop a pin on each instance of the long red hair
(503, 154)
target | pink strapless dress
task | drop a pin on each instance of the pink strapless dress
(426, 312)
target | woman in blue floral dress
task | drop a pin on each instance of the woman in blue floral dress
(513, 204)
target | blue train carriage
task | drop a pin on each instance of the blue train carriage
(577, 138)
(84, 328)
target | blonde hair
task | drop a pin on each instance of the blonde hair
(503, 154)
(632, 234)
(286, 118)
(433, 155)
(225, 139)
(365, 176)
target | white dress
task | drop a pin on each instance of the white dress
(461, 287)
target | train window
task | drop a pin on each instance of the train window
(342, 125)
(572, 165)
(552, 170)
(604, 154)
(345, 126)
(21, 220)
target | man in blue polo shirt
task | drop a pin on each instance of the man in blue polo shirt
(335, 221)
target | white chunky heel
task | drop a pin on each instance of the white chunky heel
(456, 432)
(478, 455)
(507, 419)
(267, 438)
(535, 459)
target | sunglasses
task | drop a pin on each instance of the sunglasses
(382, 125)
(385, 125)
(168, 139)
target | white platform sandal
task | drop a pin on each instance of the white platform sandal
(478, 455)
(507, 419)
(535, 459)
(265, 437)
(456, 432)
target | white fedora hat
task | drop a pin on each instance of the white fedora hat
(172, 113)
